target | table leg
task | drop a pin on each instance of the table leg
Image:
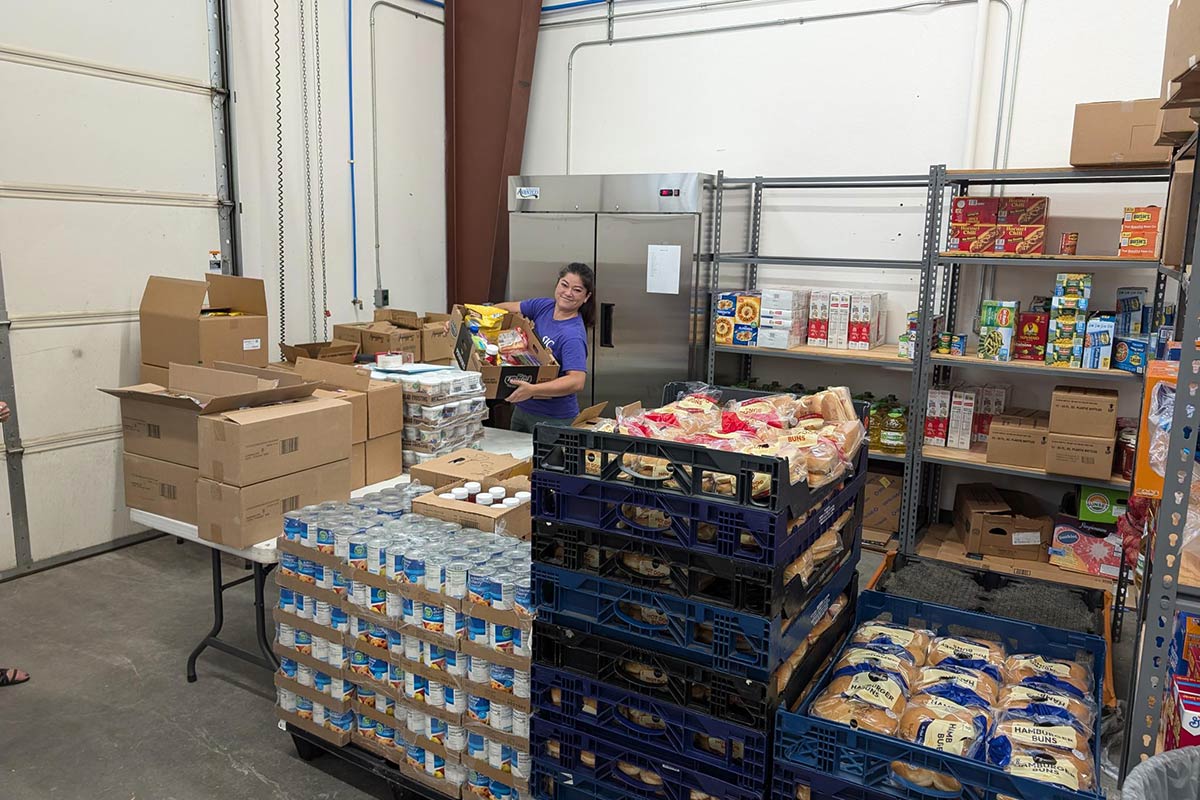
(218, 616)
(260, 580)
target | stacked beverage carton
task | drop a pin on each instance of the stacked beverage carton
(408, 637)
(671, 622)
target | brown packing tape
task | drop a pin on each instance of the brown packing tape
(401, 727)
(431, 637)
(363, 646)
(449, 717)
(312, 554)
(340, 738)
(316, 629)
(428, 672)
(507, 778)
(439, 786)
(505, 616)
(488, 732)
(391, 754)
(410, 591)
(309, 661)
(493, 656)
(497, 695)
(365, 679)
(312, 590)
(336, 706)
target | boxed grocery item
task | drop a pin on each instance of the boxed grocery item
(335, 351)
(794, 300)
(1142, 218)
(1132, 311)
(1083, 411)
(1067, 331)
(241, 517)
(723, 320)
(881, 501)
(1138, 244)
(243, 446)
(963, 402)
(1023, 210)
(1029, 341)
(160, 487)
(839, 319)
(1022, 240)
(1183, 654)
(975, 210)
(1080, 456)
(1100, 504)
(160, 423)
(358, 465)
(468, 465)
(747, 309)
(1117, 133)
(509, 521)
(1087, 547)
(1159, 384)
(1073, 284)
(1131, 353)
(500, 380)
(1175, 226)
(868, 314)
(997, 326)
(745, 335)
(992, 400)
(1001, 523)
(818, 318)
(1181, 718)
(937, 417)
(1098, 343)
(401, 318)
(976, 238)
(781, 338)
(1018, 438)
(378, 406)
(221, 318)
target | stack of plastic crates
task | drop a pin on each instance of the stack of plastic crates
(663, 649)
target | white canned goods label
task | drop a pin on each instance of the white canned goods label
(521, 683)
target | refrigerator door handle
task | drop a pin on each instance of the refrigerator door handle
(606, 324)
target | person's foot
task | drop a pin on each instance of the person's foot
(11, 677)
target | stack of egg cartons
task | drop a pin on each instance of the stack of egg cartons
(443, 411)
(409, 637)
(672, 620)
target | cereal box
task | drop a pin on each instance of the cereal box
(1029, 343)
(1022, 240)
(746, 311)
(1023, 210)
(997, 324)
(818, 318)
(1131, 353)
(745, 335)
(1181, 717)
(1098, 343)
(975, 210)
(937, 417)
(723, 321)
(1185, 642)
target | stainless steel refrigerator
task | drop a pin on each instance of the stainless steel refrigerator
(645, 237)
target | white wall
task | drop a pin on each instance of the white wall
(882, 94)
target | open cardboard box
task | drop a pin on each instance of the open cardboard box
(378, 405)
(468, 465)
(335, 352)
(1001, 524)
(515, 522)
(178, 325)
(499, 381)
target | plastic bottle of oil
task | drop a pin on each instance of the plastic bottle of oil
(875, 416)
(894, 432)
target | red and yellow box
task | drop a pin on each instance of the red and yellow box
(974, 210)
(1138, 244)
(1141, 218)
(968, 237)
(1023, 240)
(1023, 210)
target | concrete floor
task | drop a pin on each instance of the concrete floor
(109, 712)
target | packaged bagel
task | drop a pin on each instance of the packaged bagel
(1058, 767)
(941, 728)
(977, 654)
(1020, 729)
(978, 681)
(1036, 697)
(1060, 674)
(888, 657)
(915, 641)
(868, 684)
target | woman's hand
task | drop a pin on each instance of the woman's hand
(523, 392)
(4, 412)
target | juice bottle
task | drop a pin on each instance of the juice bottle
(895, 431)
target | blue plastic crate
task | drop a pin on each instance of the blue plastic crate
(862, 758)
(792, 782)
(730, 641)
(607, 781)
(597, 456)
(683, 737)
(706, 526)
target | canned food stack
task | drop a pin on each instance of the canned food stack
(409, 637)
(443, 411)
(684, 594)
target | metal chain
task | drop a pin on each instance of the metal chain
(308, 217)
(279, 196)
(320, 169)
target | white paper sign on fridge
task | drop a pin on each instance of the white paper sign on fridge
(662, 268)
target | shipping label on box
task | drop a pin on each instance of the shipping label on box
(937, 417)
(975, 210)
(1023, 240)
(972, 238)
(1023, 210)
(818, 318)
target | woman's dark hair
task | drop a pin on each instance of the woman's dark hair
(587, 311)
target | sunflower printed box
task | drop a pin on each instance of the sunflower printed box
(997, 325)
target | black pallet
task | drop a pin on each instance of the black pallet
(706, 577)
(727, 697)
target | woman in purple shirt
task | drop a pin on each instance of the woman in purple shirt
(561, 323)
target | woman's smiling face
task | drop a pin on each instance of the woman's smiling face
(570, 293)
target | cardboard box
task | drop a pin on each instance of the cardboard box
(384, 458)
(1138, 244)
(1131, 353)
(160, 487)
(1018, 438)
(514, 522)
(380, 337)
(1023, 240)
(974, 210)
(1001, 524)
(178, 326)
(160, 422)
(241, 517)
(1117, 133)
(498, 381)
(384, 404)
(962, 417)
(1132, 311)
(973, 503)
(1141, 218)
(1085, 412)
(1185, 644)
(1081, 456)
(997, 328)
(335, 351)
(747, 309)
(1181, 48)
(881, 502)
(1098, 343)
(408, 320)
(1029, 343)
(972, 237)
(1031, 210)
(1181, 719)
(1101, 505)
(839, 320)
(992, 400)
(358, 465)
(745, 335)
(1086, 547)
(818, 318)
(244, 446)
(437, 343)
(474, 465)
(358, 410)
(149, 373)
(868, 317)
(1073, 284)
(1148, 481)
(795, 300)
(1175, 225)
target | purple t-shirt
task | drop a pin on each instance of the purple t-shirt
(567, 340)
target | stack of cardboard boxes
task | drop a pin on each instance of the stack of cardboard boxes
(1082, 432)
(998, 225)
(427, 338)
(1181, 52)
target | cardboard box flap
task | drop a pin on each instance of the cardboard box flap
(172, 298)
(210, 391)
(240, 294)
(252, 414)
(339, 376)
(1188, 93)
(408, 320)
(337, 352)
(590, 413)
(206, 383)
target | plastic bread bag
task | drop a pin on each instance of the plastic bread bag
(881, 655)
(827, 619)
(1037, 728)
(1069, 676)
(914, 640)
(951, 697)
(758, 412)
(983, 685)
(695, 396)
(1044, 764)
(942, 728)
(960, 651)
(1038, 698)
(512, 340)
(857, 693)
